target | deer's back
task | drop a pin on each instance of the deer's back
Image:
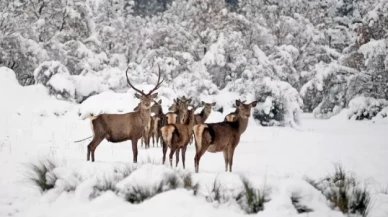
(119, 127)
(220, 135)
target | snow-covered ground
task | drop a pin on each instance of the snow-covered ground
(276, 157)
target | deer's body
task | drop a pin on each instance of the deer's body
(202, 117)
(122, 127)
(157, 121)
(221, 137)
(177, 137)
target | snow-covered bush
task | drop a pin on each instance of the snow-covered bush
(361, 107)
(382, 116)
(282, 103)
(47, 69)
(61, 84)
(28, 100)
(195, 82)
(330, 80)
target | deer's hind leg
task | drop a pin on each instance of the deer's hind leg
(199, 154)
(172, 150)
(164, 145)
(177, 156)
(230, 158)
(184, 156)
(93, 146)
(226, 160)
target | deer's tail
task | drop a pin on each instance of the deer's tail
(198, 131)
(168, 132)
(92, 117)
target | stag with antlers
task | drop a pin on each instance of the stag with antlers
(122, 127)
(223, 136)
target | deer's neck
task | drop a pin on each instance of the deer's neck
(160, 113)
(242, 124)
(204, 115)
(180, 118)
(145, 115)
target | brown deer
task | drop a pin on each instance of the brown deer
(202, 117)
(233, 115)
(178, 110)
(207, 109)
(122, 127)
(182, 109)
(157, 121)
(177, 137)
(148, 129)
(222, 136)
(172, 113)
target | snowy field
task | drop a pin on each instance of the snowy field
(275, 157)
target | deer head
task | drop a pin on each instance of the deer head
(208, 106)
(157, 107)
(244, 110)
(184, 104)
(145, 99)
(174, 106)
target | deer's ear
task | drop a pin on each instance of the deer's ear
(154, 95)
(189, 100)
(254, 103)
(213, 104)
(203, 103)
(137, 95)
(160, 101)
(238, 103)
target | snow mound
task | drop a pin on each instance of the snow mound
(382, 116)
(29, 100)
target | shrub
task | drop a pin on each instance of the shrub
(282, 103)
(138, 194)
(41, 174)
(252, 200)
(361, 108)
(344, 192)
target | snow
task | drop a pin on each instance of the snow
(382, 116)
(261, 57)
(273, 157)
(62, 83)
(373, 49)
(216, 53)
(361, 105)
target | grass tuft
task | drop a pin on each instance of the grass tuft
(138, 194)
(103, 185)
(40, 174)
(215, 193)
(344, 192)
(252, 200)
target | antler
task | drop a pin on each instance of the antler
(137, 90)
(158, 83)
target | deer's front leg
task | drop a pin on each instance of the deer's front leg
(134, 150)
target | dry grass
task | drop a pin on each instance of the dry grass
(40, 174)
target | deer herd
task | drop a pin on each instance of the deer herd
(175, 129)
